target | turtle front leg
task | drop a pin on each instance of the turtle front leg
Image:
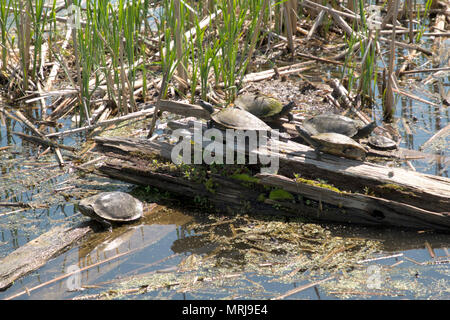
(318, 154)
(290, 117)
(106, 224)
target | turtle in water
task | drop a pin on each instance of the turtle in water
(338, 124)
(110, 207)
(381, 143)
(334, 143)
(264, 107)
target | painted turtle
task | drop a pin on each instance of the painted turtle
(109, 207)
(334, 143)
(234, 118)
(264, 107)
(338, 124)
(381, 143)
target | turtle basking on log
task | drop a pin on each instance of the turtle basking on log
(333, 143)
(233, 118)
(338, 124)
(264, 107)
(238, 119)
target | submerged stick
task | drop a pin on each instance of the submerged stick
(299, 289)
(15, 204)
(410, 95)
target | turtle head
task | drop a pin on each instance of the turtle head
(286, 110)
(207, 106)
(85, 207)
(366, 130)
(306, 136)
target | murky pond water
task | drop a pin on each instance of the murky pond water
(179, 252)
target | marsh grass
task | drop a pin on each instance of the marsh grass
(365, 65)
(4, 29)
(421, 18)
(207, 45)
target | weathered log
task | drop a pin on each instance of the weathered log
(424, 191)
(330, 206)
(359, 208)
(228, 196)
(372, 208)
(37, 252)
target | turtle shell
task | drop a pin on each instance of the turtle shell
(264, 107)
(338, 124)
(339, 145)
(235, 118)
(112, 206)
(381, 143)
(259, 105)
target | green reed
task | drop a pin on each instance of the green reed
(363, 34)
(21, 12)
(421, 18)
(4, 14)
(207, 47)
(231, 31)
(107, 49)
(39, 15)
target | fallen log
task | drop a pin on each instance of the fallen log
(404, 201)
(428, 192)
(37, 252)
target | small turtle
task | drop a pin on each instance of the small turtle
(108, 207)
(338, 124)
(381, 143)
(334, 143)
(264, 107)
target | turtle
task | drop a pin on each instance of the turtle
(334, 143)
(264, 107)
(339, 124)
(381, 142)
(234, 118)
(110, 207)
(238, 119)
